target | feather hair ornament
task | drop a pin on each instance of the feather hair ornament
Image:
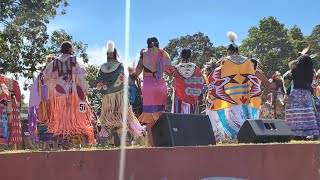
(232, 37)
(110, 46)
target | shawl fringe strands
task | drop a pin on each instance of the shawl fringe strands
(109, 82)
(66, 119)
(233, 96)
(66, 80)
(133, 123)
(111, 110)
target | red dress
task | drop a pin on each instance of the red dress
(4, 98)
(14, 110)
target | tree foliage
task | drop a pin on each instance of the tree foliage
(200, 45)
(314, 40)
(270, 42)
(95, 98)
(275, 45)
(59, 36)
(23, 33)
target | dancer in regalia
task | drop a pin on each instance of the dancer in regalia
(69, 113)
(300, 112)
(153, 63)
(14, 106)
(231, 92)
(110, 82)
(4, 119)
(188, 85)
(38, 110)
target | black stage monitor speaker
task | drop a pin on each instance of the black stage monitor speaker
(182, 130)
(264, 131)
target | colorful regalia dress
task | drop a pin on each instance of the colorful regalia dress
(154, 92)
(69, 113)
(188, 86)
(4, 122)
(14, 110)
(300, 112)
(109, 82)
(233, 96)
(39, 110)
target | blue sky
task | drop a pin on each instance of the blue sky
(96, 21)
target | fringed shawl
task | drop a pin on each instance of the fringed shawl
(109, 82)
(233, 83)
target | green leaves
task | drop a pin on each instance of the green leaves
(23, 38)
(200, 45)
(95, 99)
(274, 44)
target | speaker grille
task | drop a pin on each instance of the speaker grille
(264, 131)
(182, 130)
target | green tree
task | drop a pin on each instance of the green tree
(220, 52)
(297, 40)
(59, 36)
(270, 42)
(94, 97)
(24, 106)
(23, 36)
(200, 45)
(53, 47)
(314, 40)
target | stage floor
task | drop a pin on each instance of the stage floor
(290, 161)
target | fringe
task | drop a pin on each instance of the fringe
(135, 127)
(33, 120)
(111, 110)
(149, 118)
(66, 119)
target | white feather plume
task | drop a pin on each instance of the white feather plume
(110, 46)
(232, 36)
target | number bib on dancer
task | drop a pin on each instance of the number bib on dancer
(82, 107)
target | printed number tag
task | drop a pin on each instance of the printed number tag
(82, 107)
